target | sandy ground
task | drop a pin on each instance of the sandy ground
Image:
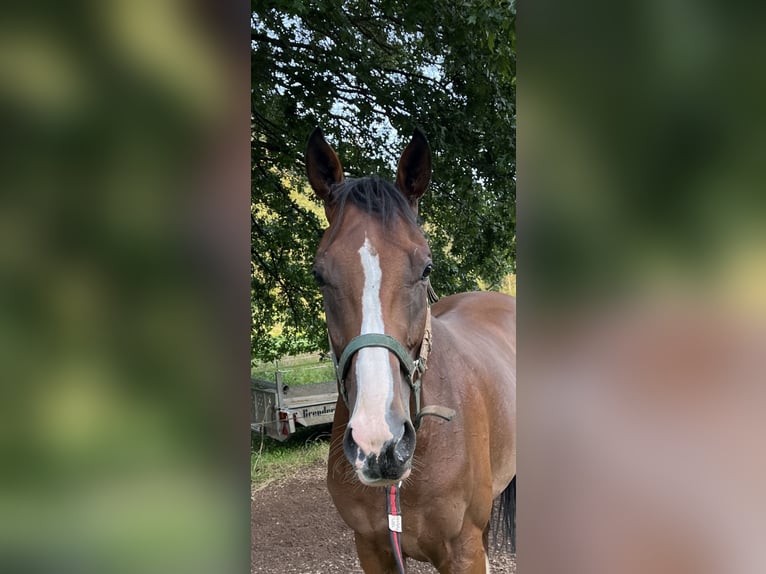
(295, 529)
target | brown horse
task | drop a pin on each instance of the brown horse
(372, 267)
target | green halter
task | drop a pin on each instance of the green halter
(414, 369)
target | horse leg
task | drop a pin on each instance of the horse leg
(468, 554)
(375, 556)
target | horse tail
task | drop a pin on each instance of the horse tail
(505, 517)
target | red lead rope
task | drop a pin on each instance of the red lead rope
(395, 525)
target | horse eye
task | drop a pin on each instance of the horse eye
(318, 277)
(427, 271)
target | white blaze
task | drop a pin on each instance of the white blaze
(374, 379)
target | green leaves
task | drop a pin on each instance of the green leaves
(368, 73)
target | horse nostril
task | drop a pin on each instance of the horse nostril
(350, 448)
(405, 447)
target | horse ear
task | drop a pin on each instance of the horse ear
(414, 172)
(322, 165)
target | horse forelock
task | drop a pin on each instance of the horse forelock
(375, 196)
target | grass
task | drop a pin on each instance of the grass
(272, 460)
(297, 370)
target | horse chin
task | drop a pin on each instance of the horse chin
(381, 482)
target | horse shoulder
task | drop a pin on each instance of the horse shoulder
(474, 365)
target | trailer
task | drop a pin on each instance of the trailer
(278, 410)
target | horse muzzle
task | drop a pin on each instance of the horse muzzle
(389, 465)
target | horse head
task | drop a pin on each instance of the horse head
(372, 267)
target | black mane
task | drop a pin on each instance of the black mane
(375, 196)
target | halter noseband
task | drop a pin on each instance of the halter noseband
(413, 368)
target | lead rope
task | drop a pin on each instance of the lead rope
(395, 524)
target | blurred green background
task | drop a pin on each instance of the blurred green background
(642, 286)
(123, 317)
(642, 130)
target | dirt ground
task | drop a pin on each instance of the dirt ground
(295, 529)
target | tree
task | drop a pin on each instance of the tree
(368, 73)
